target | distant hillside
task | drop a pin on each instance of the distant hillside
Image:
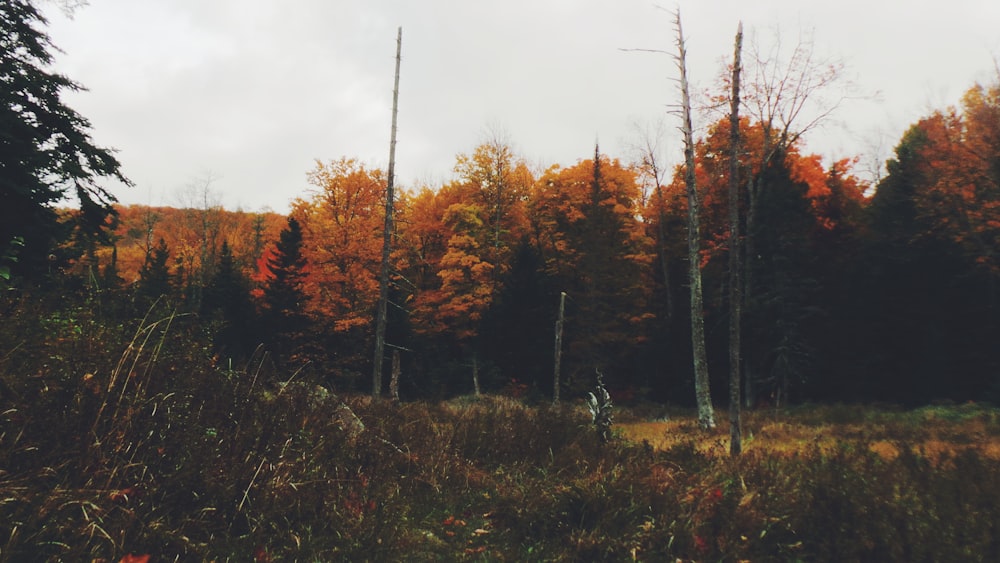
(193, 236)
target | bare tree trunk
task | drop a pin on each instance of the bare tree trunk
(394, 377)
(706, 416)
(383, 285)
(558, 352)
(735, 265)
(475, 374)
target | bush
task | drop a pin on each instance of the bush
(132, 441)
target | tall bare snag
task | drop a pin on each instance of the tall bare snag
(706, 416)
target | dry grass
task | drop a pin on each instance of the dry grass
(934, 431)
(159, 451)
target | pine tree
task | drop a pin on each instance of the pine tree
(154, 277)
(227, 301)
(45, 150)
(785, 307)
(283, 298)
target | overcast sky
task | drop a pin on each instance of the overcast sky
(247, 94)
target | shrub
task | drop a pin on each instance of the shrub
(133, 441)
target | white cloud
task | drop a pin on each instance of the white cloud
(255, 90)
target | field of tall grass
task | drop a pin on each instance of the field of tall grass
(150, 447)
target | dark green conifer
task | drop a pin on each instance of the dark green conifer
(46, 153)
(227, 302)
(283, 298)
(154, 277)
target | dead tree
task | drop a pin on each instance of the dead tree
(735, 263)
(706, 416)
(558, 348)
(383, 284)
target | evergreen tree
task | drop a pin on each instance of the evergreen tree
(227, 301)
(154, 277)
(608, 275)
(516, 332)
(783, 308)
(45, 150)
(283, 298)
(923, 306)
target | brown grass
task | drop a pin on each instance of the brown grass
(790, 433)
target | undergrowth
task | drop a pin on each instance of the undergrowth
(135, 441)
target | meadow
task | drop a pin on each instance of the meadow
(162, 451)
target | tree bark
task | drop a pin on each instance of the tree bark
(735, 265)
(475, 374)
(394, 377)
(706, 416)
(558, 346)
(383, 285)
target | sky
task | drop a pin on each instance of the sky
(233, 101)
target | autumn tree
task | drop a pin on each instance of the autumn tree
(423, 236)
(962, 161)
(586, 227)
(46, 154)
(466, 277)
(140, 226)
(485, 226)
(498, 181)
(342, 241)
(459, 243)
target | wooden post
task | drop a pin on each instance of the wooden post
(558, 353)
(383, 285)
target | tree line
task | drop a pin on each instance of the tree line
(851, 291)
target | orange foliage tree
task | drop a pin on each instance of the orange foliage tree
(460, 240)
(342, 224)
(191, 235)
(961, 166)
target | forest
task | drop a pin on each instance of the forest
(859, 292)
(150, 351)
